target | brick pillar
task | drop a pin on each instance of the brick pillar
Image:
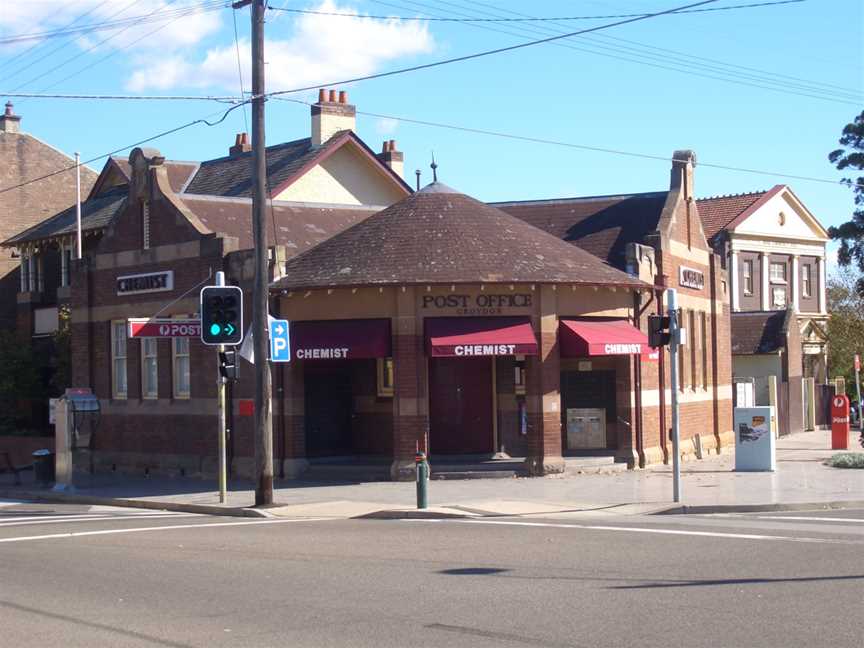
(293, 409)
(81, 326)
(543, 396)
(410, 393)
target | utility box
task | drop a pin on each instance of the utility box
(586, 428)
(755, 446)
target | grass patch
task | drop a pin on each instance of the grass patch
(846, 460)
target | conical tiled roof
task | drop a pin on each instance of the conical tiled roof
(438, 235)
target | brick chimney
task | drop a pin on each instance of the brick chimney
(10, 122)
(683, 163)
(392, 158)
(241, 145)
(331, 114)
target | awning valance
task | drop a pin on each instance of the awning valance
(479, 336)
(579, 338)
(341, 339)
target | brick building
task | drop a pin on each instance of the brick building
(23, 158)
(548, 298)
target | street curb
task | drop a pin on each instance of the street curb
(758, 508)
(94, 500)
(411, 515)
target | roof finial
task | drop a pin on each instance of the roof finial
(417, 173)
(434, 168)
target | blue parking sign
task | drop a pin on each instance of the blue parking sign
(280, 342)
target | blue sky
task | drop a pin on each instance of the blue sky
(553, 92)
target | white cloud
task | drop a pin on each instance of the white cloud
(174, 33)
(386, 126)
(321, 49)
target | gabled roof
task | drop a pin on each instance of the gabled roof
(96, 214)
(760, 332)
(232, 175)
(720, 213)
(438, 235)
(601, 225)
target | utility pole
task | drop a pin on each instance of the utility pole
(78, 205)
(261, 288)
(674, 343)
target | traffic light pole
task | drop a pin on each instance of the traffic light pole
(674, 342)
(260, 293)
(221, 382)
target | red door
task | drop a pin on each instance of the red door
(460, 406)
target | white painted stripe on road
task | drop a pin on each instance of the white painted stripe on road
(95, 518)
(81, 534)
(87, 516)
(806, 518)
(591, 527)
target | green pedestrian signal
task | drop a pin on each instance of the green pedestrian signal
(221, 315)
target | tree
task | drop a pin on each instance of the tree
(19, 381)
(851, 233)
(846, 322)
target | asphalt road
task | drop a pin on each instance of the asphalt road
(95, 576)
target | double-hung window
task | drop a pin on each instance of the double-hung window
(149, 368)
(748, 277)
(806, 285)
(778, 272)
(180, 353)
(118, 359)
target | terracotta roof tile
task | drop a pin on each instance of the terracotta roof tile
(718, 211)
(760, 332)
(601, 225)
(438, 235)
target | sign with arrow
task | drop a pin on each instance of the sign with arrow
(280, 341)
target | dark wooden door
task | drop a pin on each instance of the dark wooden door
(328, 410)
(460, 406)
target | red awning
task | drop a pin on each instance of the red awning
(479, 336)
(581, 338)
(341, 339)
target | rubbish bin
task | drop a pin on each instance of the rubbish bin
(43, 466)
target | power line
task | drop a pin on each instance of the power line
(659, 61)
(203, 120)
(524, 19)
(158, 15)
(573, 145)
(498, 50)
(41, 95)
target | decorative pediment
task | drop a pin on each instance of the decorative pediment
(813, 332)
(780, 215)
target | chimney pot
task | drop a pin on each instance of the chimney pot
(322, 95)
(392, 145)
(9, 112)
(332, 97)
(384, 146)
(241, 145)
(343, 97)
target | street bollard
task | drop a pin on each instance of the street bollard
(422, 480)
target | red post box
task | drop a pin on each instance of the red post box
(840, 422)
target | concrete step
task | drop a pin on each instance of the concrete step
(346, 473)
(474, 474)
(593, 465)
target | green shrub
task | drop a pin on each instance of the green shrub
(846, 460)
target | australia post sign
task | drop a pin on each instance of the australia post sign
(165, 328)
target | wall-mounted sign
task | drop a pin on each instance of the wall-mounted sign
(164, 328)
(145, 283)
(690, 278)
(482, 304)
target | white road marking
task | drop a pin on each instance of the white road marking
(592, 527)
(86, 516)
(95, 518)
(81, 534)
(806, 518)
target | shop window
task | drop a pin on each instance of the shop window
(519, 375)
(149, 368)
(180, 361)
(778, 297)
(748, 277)
(385, 377)
(778, 272)
(694, 351)
(118, 359)
(806, 281)
(682, 351)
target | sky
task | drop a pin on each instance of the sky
(766, 88)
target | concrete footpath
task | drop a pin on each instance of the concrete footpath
(801, 481)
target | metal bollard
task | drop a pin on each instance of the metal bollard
(422, 467)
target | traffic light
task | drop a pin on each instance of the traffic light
(228, 367)
(221, 315)
(658, 331)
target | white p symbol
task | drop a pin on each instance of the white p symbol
(279, 345)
